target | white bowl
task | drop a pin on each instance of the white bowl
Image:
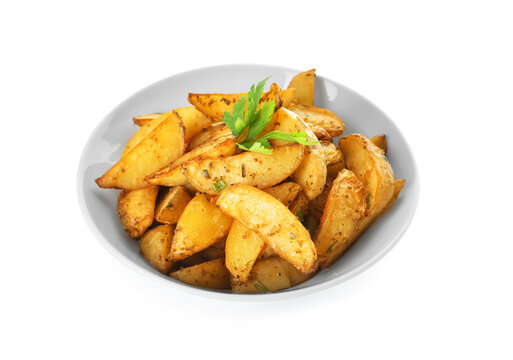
(105, 145)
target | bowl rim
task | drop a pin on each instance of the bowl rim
(230, 296)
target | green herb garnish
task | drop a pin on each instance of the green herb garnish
(261, 287)
(254, 121)
(300, 214)
(219, 185)
(331, 247)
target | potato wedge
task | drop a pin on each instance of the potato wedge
(369, 164)
(332, 154)
(144, 119)
(334, 169)
(211, 274)
(287, 96)
(320, 117)
(215, 105)
(311, 174)
(267, 252)
(299, 206)
(364, 223)
(285, 192)
(200, 226)
(162, 146)
(271, 220)
(171, 205)
(136, 209)
(142, 133)
(248, 168)
(209, 133)
(155, 245)
(344, 207)
(304, 83)
(380, 141)
(242, 249)
(172, 175)
(320, 133)
(268, 275)
(316, 206)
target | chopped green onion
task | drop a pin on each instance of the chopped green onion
(331, 247)
(219, 185)
(261, 287)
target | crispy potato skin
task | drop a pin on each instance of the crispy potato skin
(162, 146)
(143, 132)
(369, 164)
(334, 169)
(344, 207)
(155, 245)
(136, 208)
(250, 168)
(271, 220)
(332, 154)
(215, 105)
(320, 133)
(271, 274)
(304, 83)
(285, 192)
(200, 226)
(316, 206)
(171, 205)
(211, 274)
(320, 117)
(381, 142)
(142, 120)
(209, 133)
(311, 174)
(364, 223)
(172, 175)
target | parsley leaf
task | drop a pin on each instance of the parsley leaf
(262, 144)
(234, 120)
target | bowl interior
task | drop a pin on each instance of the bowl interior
(360, 116)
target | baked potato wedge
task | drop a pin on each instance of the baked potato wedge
(332, 154)
(344, 207)
(285, 192)
(268, 275)
(171, 205)
(155, 245)
(144, 119)
(320, 117)
(136, 209)
(334, 169)
(287, 96)
(272, 221)
(381, 142)
(215, 105)
(316, 206)
(250, 168)
(162, 146)
(311, 174)
(142, 133)
(299, 206)
(304, 83)
(200, 225)
(172, 175)
(369, 164)
(211, 274)
(209, 133)
(320, 133)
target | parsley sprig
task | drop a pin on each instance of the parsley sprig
(248, 124)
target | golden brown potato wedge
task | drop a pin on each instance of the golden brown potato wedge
(242, 249)
(155, 245)
(299, 206)
(369, 164)
(311, 174)
(211, 274)
(136, 208)
(201, 225)
(364, 223)
(215, 105)
(143, 132)
(285, 192)
(316, 206)
(266, 252)
(334, 169)
(162, 146)
(255, 169)
(304, 83)
(332, 154)
(344, 207)
(381, 142)
(271, 220)
(287, 96)
(320, 133)
(171, 205)
(320, 117)
(172, 175)
(268, 275)
(211, 132)
(144, 119)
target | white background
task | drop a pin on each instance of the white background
(442, 70)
